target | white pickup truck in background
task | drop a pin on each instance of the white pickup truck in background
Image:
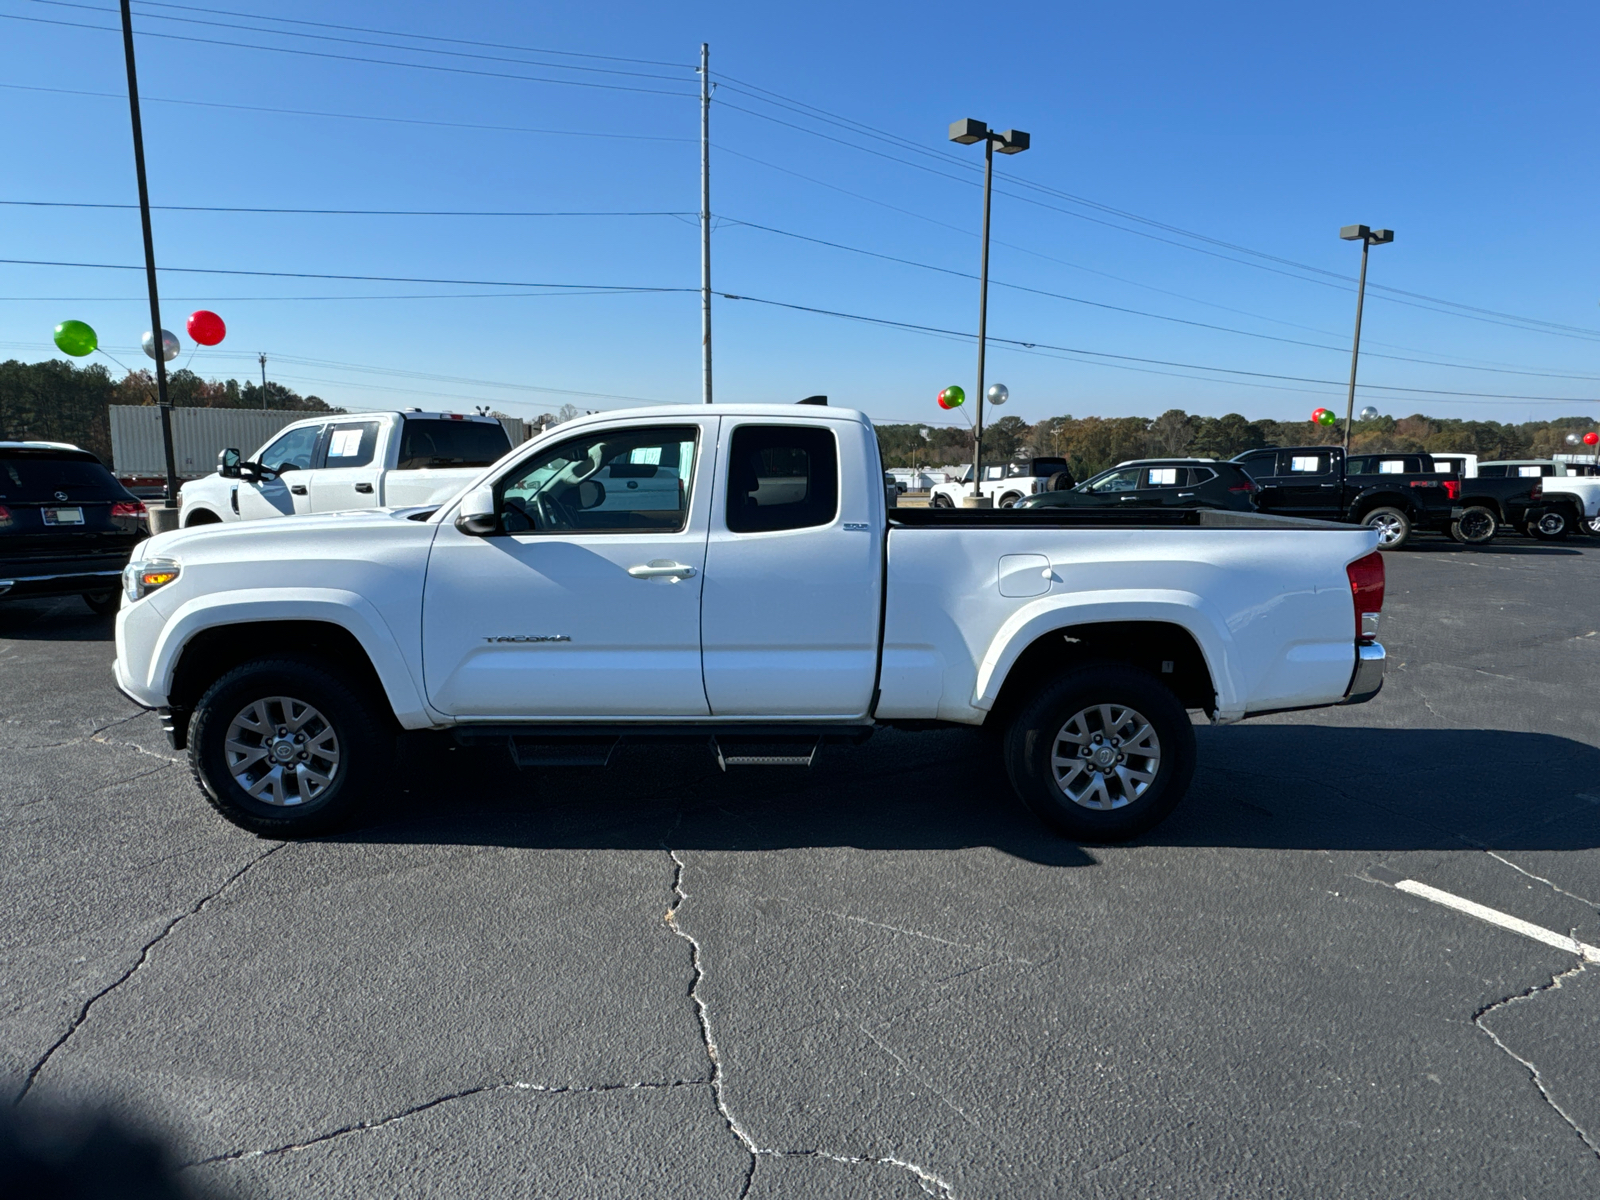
(1003, 485)
(335, 463)
(732, 574)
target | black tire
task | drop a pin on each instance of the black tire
(1032, 738)
(1593, 526)
(941, 501)
(1552, 526)
(362, 747)
(1476, 526)
(1009, 500)
(1393, 526)
(103, 604)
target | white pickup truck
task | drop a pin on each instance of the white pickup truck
(732, 574)
(1003, 486)
(335, 463)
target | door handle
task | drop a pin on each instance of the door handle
(299, 489)
(1126, 498)
(662, 568)
(1184, 495)
(364, 488)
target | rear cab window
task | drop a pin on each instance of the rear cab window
(782, 477)
(1305, 463)
(433, 442)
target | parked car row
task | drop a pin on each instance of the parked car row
(1394, 494)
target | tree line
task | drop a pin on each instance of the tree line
(1091, 444)
(56, 401)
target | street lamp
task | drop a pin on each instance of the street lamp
(1368, 238)
(1009, 141)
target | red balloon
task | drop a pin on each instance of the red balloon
(1591, 439)
(206, 328)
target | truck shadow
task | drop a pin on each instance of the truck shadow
(1512, 545)
(1291, 787)
(53, 619)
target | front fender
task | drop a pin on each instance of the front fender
(1184, 609)
(346, 609)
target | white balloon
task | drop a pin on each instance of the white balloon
(169, 344)
(1573, 439)
(998, 393)
(1369, 413)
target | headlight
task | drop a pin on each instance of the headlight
(139, 579)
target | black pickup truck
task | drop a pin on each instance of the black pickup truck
(1392, 493)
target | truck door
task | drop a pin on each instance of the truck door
(1307, 484)
(291, 455)
(586, 603)
(347, 472)
(794, 572)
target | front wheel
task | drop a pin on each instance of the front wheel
(285, 748)
(1476, 526)
(1551, 526)
(1102, 754)
(103, 604)
(941, 501)
(1393, 526)
(1593, 525)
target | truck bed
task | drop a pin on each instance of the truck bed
(1123, 518)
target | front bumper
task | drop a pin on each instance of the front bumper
(65, 583)
(1367, 679)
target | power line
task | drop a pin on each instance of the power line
(31, 262)
(302, 112)
(335, 212)
(427, 37)
(1101, 354)
(383, 62)
(322, 37)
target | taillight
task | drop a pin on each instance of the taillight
(5, 515)
(1366, 591)
(1249, 489)
(1452, 488)
(128, 508)
(1538, 490)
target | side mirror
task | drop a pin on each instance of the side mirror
(228, 464)
(477, 516)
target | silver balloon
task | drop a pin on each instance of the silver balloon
(169, 344)
(998, 393)
(1369, 413)
(1573, 439)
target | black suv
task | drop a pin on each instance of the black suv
(66, 525)
(1158, 483)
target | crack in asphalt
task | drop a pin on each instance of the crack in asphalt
(144, 956)
(1541, 879)
(465, 1093)
(927, 1180)
(1533, 1071)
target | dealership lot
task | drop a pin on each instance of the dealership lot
(879, 978)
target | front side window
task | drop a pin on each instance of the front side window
(1261, 466)
(292, 451)
(615, 481)
(1125, 480)
(351, 444)
(782, 477)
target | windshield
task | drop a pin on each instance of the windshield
(444, 443)
(37, 475)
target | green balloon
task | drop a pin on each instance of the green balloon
(76, 338)
(1326, 417)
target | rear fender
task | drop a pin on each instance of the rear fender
(346, 609)
(1184, 609)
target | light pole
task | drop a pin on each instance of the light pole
(1010, 141)
(1368, 238)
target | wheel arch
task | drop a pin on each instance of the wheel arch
(211, 635)
(202, 515)
(1366, 502)
(1149, 643)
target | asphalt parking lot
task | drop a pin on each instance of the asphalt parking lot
(881, 978)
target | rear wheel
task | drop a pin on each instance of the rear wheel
(1009, 500)
(1393, 526)
(286, 748)
(1101, 754)
(1475, 526)
(103, 603)
(1551, 526)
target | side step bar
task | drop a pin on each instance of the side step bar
(596, 745)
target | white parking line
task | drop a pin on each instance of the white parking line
(1504, 920)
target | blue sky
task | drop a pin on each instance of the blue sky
(1465, 127)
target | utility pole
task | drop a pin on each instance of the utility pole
(159, 342)
(705, 217)
(263, 381)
